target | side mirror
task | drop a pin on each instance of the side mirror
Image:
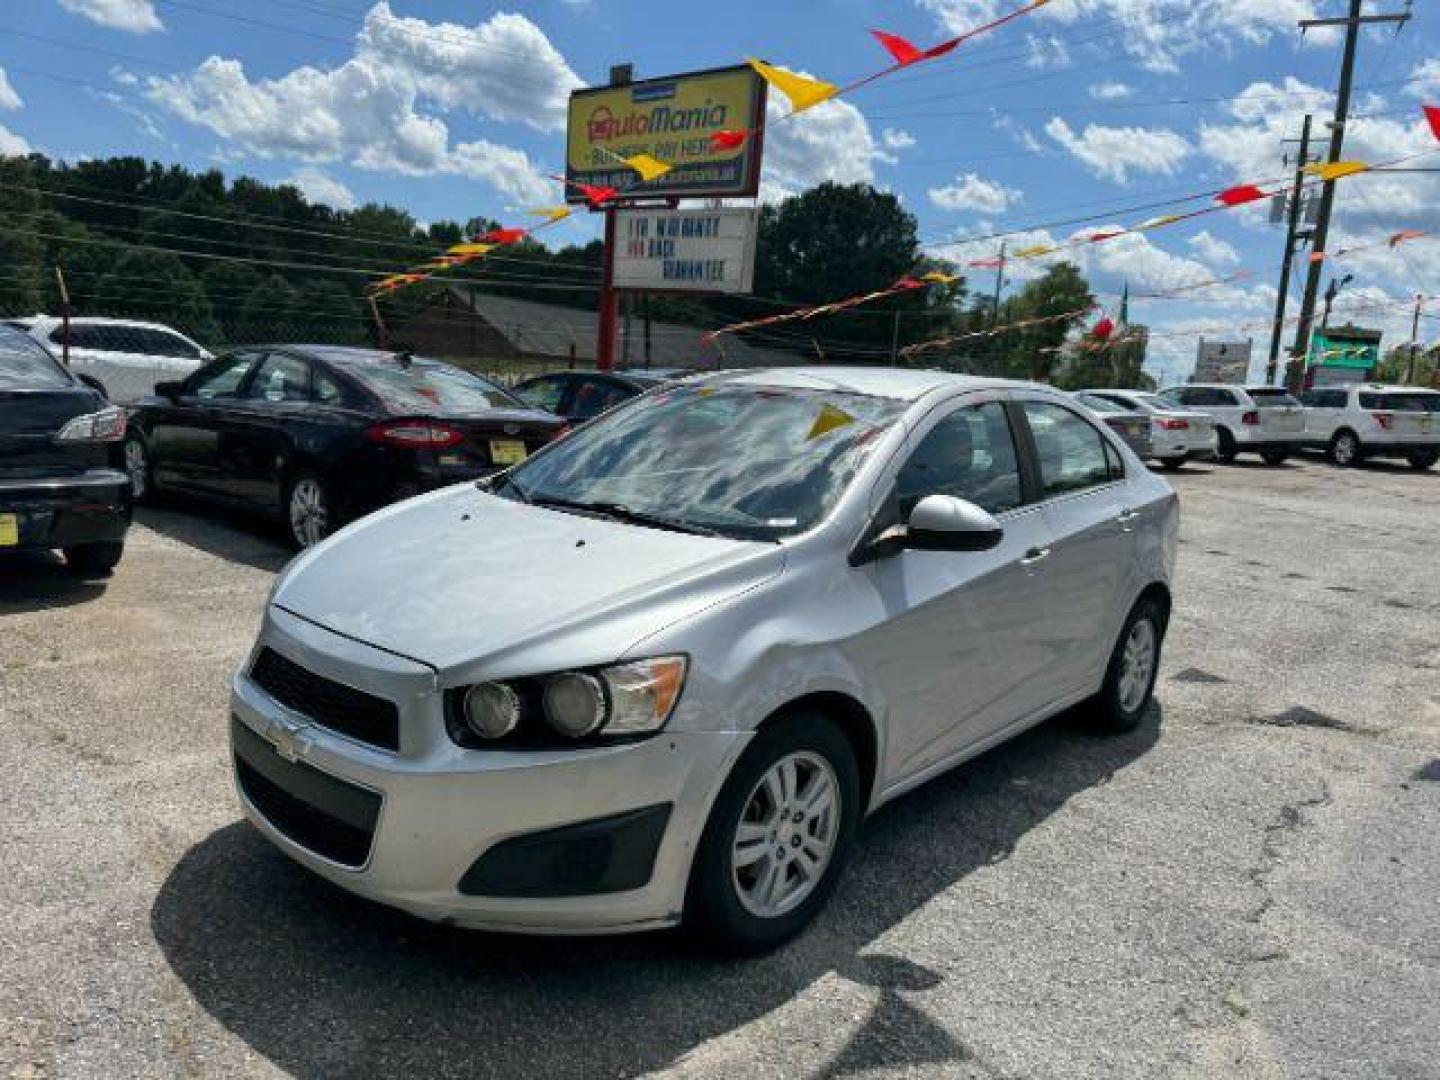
(171, 390)
(938, 523)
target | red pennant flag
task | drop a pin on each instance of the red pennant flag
(728, 140)
(1405, 234)
(903, 52)
(1317, 256)
(504, 236)
(597, 196)
(1239, 195)
(1099, 237)
(1432, 114)
(907, 282)
(1102, 330)
(985, 264)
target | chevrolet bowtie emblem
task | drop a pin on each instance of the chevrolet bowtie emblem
(289, 739)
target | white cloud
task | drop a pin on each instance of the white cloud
(895, 139)
(1213, 250)
(134, 16)
(12, 145)
(1046, 52)
(1111, 90)
(321, 188)
(1019, 133)
(1116, 152)
(832, 141)
(123, 77)
(973, 192)
(9, 99)
(1156, 32)
(368, 110)
(1425, 79)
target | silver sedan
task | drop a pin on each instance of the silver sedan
(662, 670)
(1176, 435)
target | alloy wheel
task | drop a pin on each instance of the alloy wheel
(1345, 450)
(1137, 665)
(786, 835)
(309, 512)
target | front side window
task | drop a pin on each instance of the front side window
(971, 455)
(280, 378)
(1072, 452)
(748, 461)
(223, 378)
(1272, 399)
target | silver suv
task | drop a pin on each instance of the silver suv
(1263, 420)
(1352, 423)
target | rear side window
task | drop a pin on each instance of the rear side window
(24, 365)
(1409, 402)
(1073, 454)
(425, 386)
(1272, 399)
(970, 455)
(543, 393)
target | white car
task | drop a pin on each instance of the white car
(1263, 420)
(120, 358)
(1352, 423)
(662, 669)
(1176, 436)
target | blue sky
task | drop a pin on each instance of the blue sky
(452, 109)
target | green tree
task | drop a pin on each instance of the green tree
(22, 253)
(1395, 366)
(1061, 296)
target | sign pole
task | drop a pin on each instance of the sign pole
(605, 346)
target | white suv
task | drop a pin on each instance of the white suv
(1351, 423)
(1262, 420)
(120, 358)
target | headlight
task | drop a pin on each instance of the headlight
(621, 701)
(107, 425)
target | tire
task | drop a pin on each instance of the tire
(1172, 464)
(1274, 457)
(1225, 449)
(1424, 461)
(1121, 704)
(309, 509)
(137, 467)
(1344, 449)
(95, 560)
(724, 903)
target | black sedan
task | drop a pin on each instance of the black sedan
(60, 484)
(318, 435)
(579, 396)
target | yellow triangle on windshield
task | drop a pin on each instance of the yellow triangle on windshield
(829, 419)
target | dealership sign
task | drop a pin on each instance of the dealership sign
(1345, 347)
(686, 250)
(672, 120)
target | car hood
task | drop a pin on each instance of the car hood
(464, 581)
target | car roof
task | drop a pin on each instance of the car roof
(95, 320)
(1383, 388)
(900, 383)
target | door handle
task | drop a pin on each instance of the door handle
(1035, 555)
(1126, 519)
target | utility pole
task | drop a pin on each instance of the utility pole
(999, 284)
(1352, 23)
(1414, 341)
(1292, 228)
(895, 342)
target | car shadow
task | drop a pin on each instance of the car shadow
(227, 534)
(325, 984)
(38, 581)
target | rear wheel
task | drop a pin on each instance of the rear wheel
(137, 466)
(1345, 449)
(1172, 463)
(1274, 457)
(778, 836)
(1424, 460)
(95, 560)
(1130, 677)
(1225, 448)
(309, 511)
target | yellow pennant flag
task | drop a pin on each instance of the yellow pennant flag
(1157, 222)
(1334, 170)
(1032, 252)
(470, 249)
(829, 419)
(552, 213)
(649, 168)
(801, 91)
(935, 277)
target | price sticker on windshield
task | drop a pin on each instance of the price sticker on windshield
(507, 451)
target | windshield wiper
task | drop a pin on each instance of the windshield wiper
(621, 512)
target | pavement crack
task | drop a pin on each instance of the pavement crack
(1290, 818)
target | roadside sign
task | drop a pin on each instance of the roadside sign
(671, 119)
(1345, 347)
(686, 250)
(1223, 361)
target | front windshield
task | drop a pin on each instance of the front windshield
(751, 462)
(425, 386)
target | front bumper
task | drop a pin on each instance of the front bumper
(67, 511)
(448, 823)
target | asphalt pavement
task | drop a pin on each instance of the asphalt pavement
(1245, 887)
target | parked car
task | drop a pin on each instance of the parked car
(1352, 423)
(319, 435)
(120, 358)
(1176, 436)
(703, 636)
(59, 448)
(1263, 420)
(1130, 424)
(579, 396)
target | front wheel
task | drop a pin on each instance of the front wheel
(1274, 457)
(1345, 449)
(95, 560)
(1130, 676)
(1172, 464)
(778, 836)
(1427, 460)
(309, 511)
(1225, 448)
